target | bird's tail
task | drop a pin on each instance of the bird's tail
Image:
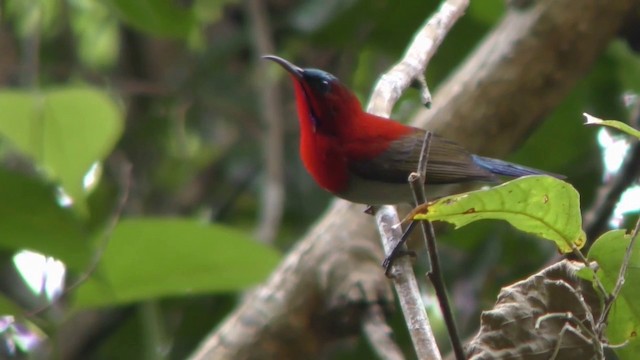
(505, 168)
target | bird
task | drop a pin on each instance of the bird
(365, 158)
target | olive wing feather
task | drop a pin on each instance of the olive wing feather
(448, 162)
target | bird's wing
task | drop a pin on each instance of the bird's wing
(448, 162)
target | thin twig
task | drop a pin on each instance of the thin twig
(417, 181)
(123, 177)
(578, 254)
(272, 203)
(391, 85)
(619, 282)
(425, 93)
(406, 286)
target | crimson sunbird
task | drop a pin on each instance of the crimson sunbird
(366, 158)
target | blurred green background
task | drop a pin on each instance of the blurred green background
(131, 149)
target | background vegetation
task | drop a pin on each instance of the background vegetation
(162, 103)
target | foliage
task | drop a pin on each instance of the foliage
(624, 322)
(549, 208)
(40, 124)
(167, 89)
(540, 205)
(129, 268)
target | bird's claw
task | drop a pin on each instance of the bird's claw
(388, 261)
(370, 210)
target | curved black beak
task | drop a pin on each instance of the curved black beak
(294, 70)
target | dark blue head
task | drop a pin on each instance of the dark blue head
(321, 97)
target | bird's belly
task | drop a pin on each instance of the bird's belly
(371, 192)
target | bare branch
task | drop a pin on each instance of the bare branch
(412, 66)
(406, 286)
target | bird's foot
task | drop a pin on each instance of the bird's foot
(395, 254)
(371, 210)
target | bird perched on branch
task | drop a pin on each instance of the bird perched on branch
(366, 158)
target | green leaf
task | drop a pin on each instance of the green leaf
(624, 320)
(592, 120)
(150, 258)
(540, 205)
(586, 273)
(64, 130)
(32, 219)
(163, 18)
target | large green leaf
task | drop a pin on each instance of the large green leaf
(541, 205)
(624, 320)
(64, 130)
(31, 218)
(149, 258)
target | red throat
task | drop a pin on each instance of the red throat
(321, 154)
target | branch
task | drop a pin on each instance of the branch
(272, 204)
(412, 66)
(538, 53)
(406, 286)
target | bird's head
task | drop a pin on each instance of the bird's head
(324, 103)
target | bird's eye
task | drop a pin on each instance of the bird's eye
(322, 86)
